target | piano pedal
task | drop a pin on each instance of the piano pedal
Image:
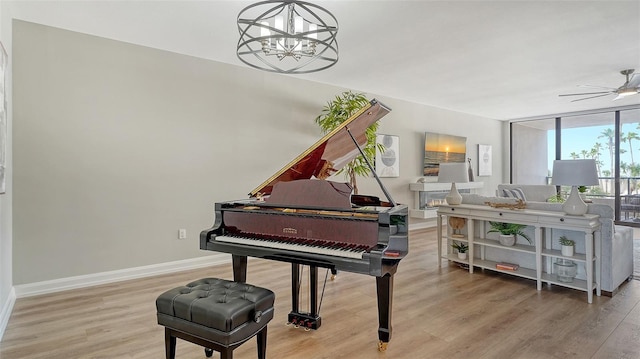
(304, 320)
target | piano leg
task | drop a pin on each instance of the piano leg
(239, 268)
(309, 320)
(313, 290)
(384, 287)
(295, 287)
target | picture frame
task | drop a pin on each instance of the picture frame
(441, 148)
(485, 160)
(388, 162)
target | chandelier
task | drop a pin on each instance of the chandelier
(291, 37)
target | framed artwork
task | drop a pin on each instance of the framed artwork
(3, 117)
(388, 162)
(484, 160)
(439, 148)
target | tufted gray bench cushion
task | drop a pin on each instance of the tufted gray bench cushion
(219, 311)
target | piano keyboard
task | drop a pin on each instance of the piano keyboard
(337, 249)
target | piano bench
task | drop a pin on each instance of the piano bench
(217, 314)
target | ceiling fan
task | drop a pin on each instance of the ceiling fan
(630, 87)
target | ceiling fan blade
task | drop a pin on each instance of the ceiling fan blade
(625, 95)
(586, 93)
(586, 98)
(597, 87)
(634, 81)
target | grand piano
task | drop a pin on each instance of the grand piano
(300, 217)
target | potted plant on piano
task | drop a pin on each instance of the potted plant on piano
(335, 113)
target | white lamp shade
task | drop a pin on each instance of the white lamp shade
(453, 172)
(575, 172)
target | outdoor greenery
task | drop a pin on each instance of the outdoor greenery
(630, 170)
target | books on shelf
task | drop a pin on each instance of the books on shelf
(507, 266)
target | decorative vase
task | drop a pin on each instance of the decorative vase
(462, 255)
(567, 251)
(565, 270)
(507, 239)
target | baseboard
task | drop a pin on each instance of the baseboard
(5, 313)
(58, 285)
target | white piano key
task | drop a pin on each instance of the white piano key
(305, 248)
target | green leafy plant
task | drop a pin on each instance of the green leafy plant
(340, 109)
(556, 199)
(460, 247)
(564, 241)
(582, 189)
(509, 229)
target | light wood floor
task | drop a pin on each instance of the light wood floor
(437, 313)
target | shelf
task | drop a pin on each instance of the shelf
(430, 194)
(523, 253)
(578, 257)
(520, 272)
(491, 265)
(578, 284)
(496, 244)
(436, 186)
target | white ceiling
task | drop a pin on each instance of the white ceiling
(497, 59)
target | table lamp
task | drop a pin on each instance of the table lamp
(575, 173)
(453, 172)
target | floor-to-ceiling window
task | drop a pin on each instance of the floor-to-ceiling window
(610, 137)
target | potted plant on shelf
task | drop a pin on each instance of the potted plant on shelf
(462, 249)
(583, 192)
(567, 246)
(508, 232)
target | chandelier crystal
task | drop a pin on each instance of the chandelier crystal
(291, 37)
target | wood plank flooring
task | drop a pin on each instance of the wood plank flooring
(437, 313)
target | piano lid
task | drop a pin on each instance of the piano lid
(331, 153)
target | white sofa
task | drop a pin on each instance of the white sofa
(617, 241)
(532, 192)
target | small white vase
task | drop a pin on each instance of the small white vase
(567, 251)
(462, 255)
(507, 239)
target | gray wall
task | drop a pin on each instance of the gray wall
(116, 146)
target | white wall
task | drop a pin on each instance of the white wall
(7, 294)
(117, 146)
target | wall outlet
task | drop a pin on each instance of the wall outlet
(182, 234)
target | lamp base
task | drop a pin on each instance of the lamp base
(574, 205)
(454, 197)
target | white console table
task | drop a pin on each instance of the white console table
(543, 222)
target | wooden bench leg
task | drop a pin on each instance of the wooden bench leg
(226, 353)
(261, 338)
(169, 344)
